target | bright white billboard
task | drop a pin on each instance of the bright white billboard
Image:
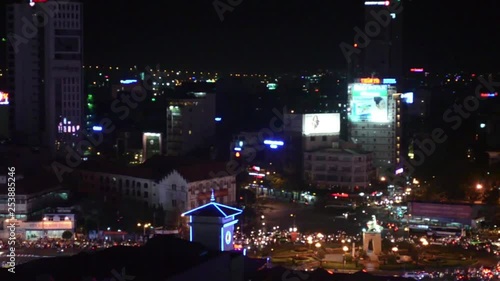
(368, 103)
(321, 124)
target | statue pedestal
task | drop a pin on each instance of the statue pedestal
(372, 243)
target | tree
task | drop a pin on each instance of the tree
(67, 234)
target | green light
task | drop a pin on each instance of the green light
(153, 99)
(4, 39)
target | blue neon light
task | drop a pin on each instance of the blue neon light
(218, 119)
(273, 142)
(222, 239)
(190, 229)
(245, 251)
(97, 128)
(237, 149)
(230, 223)
(389, 81)
(217, 205)
(128, 81)
(273, 146)
(240, 144)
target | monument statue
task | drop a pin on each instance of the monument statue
(373, 226)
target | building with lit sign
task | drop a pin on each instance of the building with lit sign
(52, 226)
(175, 184)
(212, 225)
(250, 148)
(151, 145)
(4, 115)
(34, 193)
(43, 97)
(342, 165)
(307, 132)
(190, 123)
(375, 122)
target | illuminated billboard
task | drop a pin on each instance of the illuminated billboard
(151, 145)
(368, 103)
(321, 124)
(4, 98)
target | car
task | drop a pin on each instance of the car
(414, 275)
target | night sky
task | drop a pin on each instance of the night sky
(291, 35)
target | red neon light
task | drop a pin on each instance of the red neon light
(488, 95)
(343, 195)
(417, 70)
(39, 1)
(387, 3)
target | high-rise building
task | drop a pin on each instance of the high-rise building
(375, 122)
(382, 56)
(45, 53)
(190, 123)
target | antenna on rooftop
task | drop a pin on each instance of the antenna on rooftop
(212, 197)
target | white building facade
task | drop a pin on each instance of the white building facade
(338, 167)
(173, 192)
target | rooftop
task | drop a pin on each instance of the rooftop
(157, 167)
(31, 183)
(213, 209)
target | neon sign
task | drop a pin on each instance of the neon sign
(389, 81)
(343, 195)
(417, 70)
(128, 81)
(377, 3)
(370, 81)
(488, 95)
(4, 98)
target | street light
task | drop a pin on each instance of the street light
(43, 226)
(479, 186)
(146, 225)
(345, 249)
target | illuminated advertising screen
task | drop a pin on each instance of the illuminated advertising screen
(321, 124)
(4, 98)
(368, 103)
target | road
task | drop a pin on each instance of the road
(310, 219)
(23, 255)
